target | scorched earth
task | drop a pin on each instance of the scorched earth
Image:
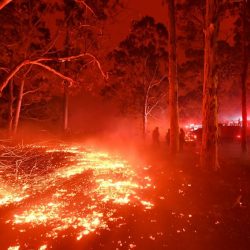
(60, 197)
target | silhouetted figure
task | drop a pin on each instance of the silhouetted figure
(239, 122)
(156, 137)
(168, 137)
(182, 139)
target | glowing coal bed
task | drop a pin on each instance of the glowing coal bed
(65, 191)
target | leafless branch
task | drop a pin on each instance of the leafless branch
(52, 43)
(3, 3)
(83, 3)
(31, 91)
(154, 75)
(4, 69)
(39, 63)
(12, 73)
(68, 79)
(155, 104)
(71, 58)
(84, 65)
(156, 82)
(28, 62)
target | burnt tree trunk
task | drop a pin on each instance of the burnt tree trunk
(173, 82)
(144, 125)
(144, 114)
(11, 109)
(66, 86)
(18, 107)
(209, 147)
(66, 107)
(244, 79)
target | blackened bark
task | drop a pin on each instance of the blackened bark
(244, 80)
(18, 108)
(66, 107)
(11, 109)
(209, 147)
(173, 81)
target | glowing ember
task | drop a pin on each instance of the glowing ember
(75, 196)
(14, 248)
(43, 247)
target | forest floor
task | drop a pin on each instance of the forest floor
(192, 209)
(204, 210)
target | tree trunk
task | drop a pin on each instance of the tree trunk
(11, 101)
(244, 80)
(18, 108)
(209, 147)
(66, 86)
(144, 125)
(66, 107)
(173, 82)
(144, 116)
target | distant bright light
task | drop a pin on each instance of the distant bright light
(193, 126)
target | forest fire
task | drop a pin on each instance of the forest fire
(78, 197)
(165, 83)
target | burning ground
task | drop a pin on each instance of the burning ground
(73, 197)
(49, 193)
